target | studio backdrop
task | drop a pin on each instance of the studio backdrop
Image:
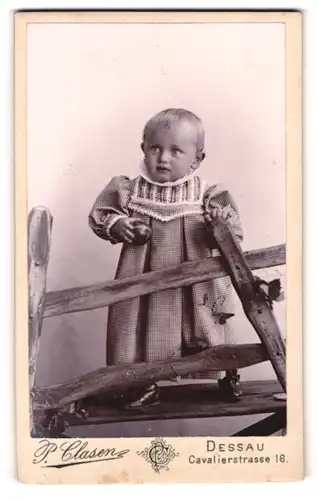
(90, 90)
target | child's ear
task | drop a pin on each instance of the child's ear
(196, 164)
(142, 145)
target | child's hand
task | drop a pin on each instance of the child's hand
(224, 212)
(123, 230)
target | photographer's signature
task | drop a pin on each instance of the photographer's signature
(73, 453)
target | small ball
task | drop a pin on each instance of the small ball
(142, 233)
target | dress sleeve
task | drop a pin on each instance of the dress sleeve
(109, 207)
(219, 197)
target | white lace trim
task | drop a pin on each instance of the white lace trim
(194, 210)
(166, 210)
(144, 174)
(151, 200)
(113, 219)
(162, 204)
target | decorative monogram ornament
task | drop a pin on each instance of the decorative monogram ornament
(159, 454)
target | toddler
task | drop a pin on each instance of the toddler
(169, 197)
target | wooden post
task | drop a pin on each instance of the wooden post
(39, 238)
(255, 305)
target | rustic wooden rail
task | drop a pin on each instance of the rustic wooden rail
(196, 401)
(116, 379)
(112, 379)
(109, 292)
(39, 239)
(257, 309)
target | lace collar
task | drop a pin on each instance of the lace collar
(144, 175)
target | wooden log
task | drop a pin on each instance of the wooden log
(119, 378)
(267, 426)
(186, 274)
(176, 402)
(256, 307)
(174, 410)
(39, 237)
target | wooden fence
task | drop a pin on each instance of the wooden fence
(239, 266)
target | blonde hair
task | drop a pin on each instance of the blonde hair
(172, 115)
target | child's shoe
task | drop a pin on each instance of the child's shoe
(149, 397)
(230, 386)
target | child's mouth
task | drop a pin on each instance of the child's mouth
(163, 169)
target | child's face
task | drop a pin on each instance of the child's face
(171, 153)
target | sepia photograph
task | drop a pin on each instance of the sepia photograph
(156, 199)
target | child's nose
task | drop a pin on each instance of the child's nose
(164, 156)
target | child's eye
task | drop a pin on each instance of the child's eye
(176, 152)
(154, 149)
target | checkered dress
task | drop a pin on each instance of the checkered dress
(160, 325)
